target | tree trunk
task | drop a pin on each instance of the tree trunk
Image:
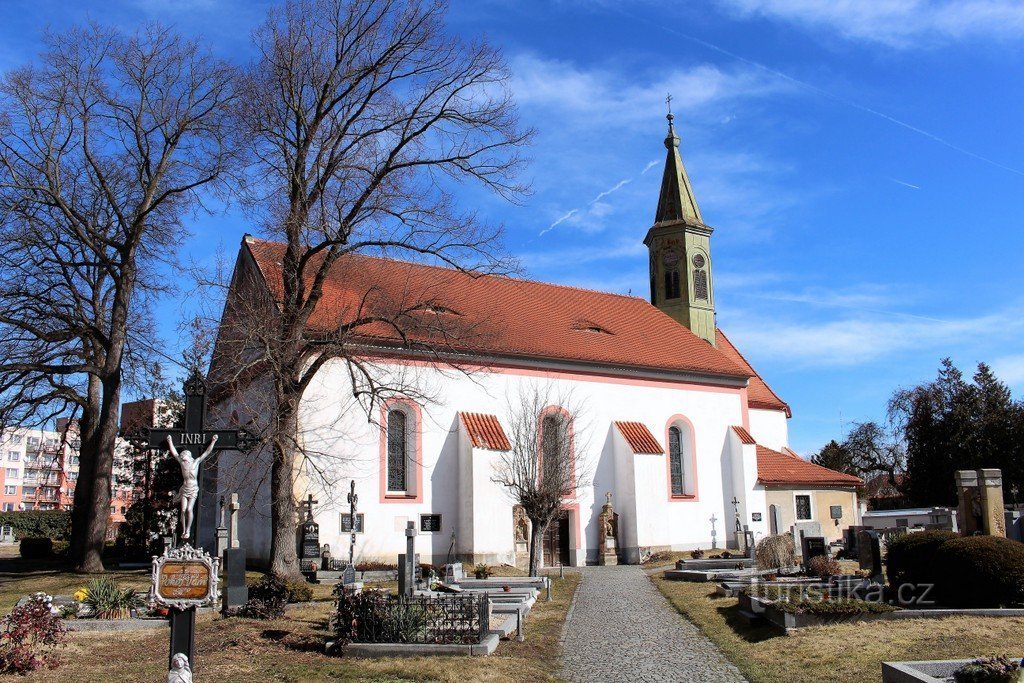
(536, 551)
(284, 561)
(88, 430)
(97, 512)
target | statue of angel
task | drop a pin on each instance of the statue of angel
(180, 671)
(189, 491)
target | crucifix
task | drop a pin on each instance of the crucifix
(180, 442)
(352, 500)
(739, 524)
(194, 435)
(309, 503)
(714, 534)
(668, 101)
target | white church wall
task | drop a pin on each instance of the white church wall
(349, 445)
(770, 428)
(625, 493)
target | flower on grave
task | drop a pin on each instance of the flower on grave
(81, 594)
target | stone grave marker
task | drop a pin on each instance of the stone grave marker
(807, 528)
(811, 547)
(453, 572)
(309, 547)
(408, 562)
(870, 553)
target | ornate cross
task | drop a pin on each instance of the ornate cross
(352, 500)
(668, 101)
(309, 503)
(736, 506)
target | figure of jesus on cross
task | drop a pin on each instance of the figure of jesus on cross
(189, 491)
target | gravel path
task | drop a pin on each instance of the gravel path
(620, 628)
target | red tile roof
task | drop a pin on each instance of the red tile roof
(485, 431)
(744, 435)
(774, 467)
(502, 316)
(759, 394)
(639, 438)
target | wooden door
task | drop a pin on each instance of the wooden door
(556, 542)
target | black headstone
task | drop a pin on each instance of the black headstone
(870, 552)
(349, 575)
(407, 575)
(236, 593)
(813, 546)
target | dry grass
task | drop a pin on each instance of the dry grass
(291, 649)
(19, 578)
(841, 653)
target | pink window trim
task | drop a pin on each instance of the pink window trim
(412, 410)
(686, 497)
(564, 414)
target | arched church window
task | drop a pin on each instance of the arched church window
(700, 278)
(398, 455)
(675, 454)
(672, 284)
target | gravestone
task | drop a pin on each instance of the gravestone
(222, 533)
(235, 593)
(870, 550)
(453, 572)
(850, 540)
(980, 509)
(802, 529)
(233, 517)
(408, 562)
(748, 542)
(811, 547)
(309, 547)
(407, 573)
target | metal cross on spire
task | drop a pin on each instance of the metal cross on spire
(668, 101)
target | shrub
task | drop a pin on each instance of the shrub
(835, 608)
(911, 558)
(980, 571)
(775, 551)
(107, 601)
(299, 591)
(823, 567)
(697, 554)
(481, 571)
(375, 567)
(34, 548)
(373, 616)
(29, 635)
(988, 670)
(267, 598)
(55, 524)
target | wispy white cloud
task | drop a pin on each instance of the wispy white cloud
(561, 219)
(649, 166)
(622, 98)
(624, 248)
(858, 340)
(905, 184)
(1010, 369)
(897, 23)
(618, 186)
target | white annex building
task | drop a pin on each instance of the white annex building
(676, 423)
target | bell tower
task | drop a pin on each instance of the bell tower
(680, 249)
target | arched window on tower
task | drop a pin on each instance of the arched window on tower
(398, 450)
(672, 283)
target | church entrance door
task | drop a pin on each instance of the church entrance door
(556, 541)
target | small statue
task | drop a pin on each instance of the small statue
(609, 532)
(189, 491)
(180, 671)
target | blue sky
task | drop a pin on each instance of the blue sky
(861, 162)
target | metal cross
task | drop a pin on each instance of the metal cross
(309, 503)
(668, 101)
(352, 500)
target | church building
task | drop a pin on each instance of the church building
(675, 424)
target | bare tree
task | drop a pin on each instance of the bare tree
(363, 114)
(105, 144)
(546, 466)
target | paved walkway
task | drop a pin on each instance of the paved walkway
(622, 629)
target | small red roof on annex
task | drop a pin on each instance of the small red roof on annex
(639, 438)
(485, 431)
(744, 435)
(502, 316)
(789, 468)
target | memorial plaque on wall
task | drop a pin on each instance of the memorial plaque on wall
(310, 540)
(430, 523)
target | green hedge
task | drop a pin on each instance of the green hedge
(911, 558)
(980, 571)
(53, 524)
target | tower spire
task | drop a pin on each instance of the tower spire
(676, 201)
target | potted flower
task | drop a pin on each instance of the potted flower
(482, 571)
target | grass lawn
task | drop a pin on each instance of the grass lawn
(19, 578)
(836, 654)
(291, 649)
